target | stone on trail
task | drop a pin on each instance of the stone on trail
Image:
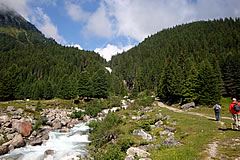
(188, 105)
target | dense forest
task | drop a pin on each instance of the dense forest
(32, 66)
(196, 62)
(192, 62)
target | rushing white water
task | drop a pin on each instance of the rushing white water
(65, 145)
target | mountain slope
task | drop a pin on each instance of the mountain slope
(175, 51)
(32, 66)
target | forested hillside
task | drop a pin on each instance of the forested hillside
(191, 62)
(32, 66)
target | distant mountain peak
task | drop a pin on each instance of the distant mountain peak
(9, 17)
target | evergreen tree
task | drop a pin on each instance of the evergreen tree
(85, 85)
(100, 84)
(190, 93)
(209, 92)
(47, 91)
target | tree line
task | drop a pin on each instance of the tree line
(191, 62)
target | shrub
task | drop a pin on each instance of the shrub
(111, 152)
(94, 107)
(103, 131)
(41, 121)
(125, 143)
(144, 101)
(78, 115)
(146, 126)
(39, 106)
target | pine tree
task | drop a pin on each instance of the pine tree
(84, 85)
(209, 92)
(190, 93)
(100, 84)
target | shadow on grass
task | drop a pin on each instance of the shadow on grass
(227, 129)
(212, 119)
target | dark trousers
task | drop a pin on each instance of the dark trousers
(217, 113)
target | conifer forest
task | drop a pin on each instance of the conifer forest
(198, 62)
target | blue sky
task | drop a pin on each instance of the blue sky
(111, 26)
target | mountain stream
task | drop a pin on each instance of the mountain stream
(62, 146)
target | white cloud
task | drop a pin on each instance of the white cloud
(76, 46)
(99, 23)
(140, 18)
(76, 12)
(20, 6)
(38, 17)
(96, 23)
(44, 23)
(111, 50)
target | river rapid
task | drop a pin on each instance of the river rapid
(64, 146)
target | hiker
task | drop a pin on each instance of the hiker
(217, 108)
(235, 110)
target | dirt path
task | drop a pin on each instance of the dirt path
(192, 113)
(212, 147)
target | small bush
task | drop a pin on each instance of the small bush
(78, 115)
(39, 106)
(125, 143)
(144, 101)
(146, 126)
(94, 107)
(39, 123)
(111, 152)
(103, 131)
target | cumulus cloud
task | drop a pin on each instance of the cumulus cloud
(44, 23)
(76, 12)
(140, 18)
(96, 23)
(37, 16)
(20, 6)
(111, 50)
(99, 23)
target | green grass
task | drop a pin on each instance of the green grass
(195, 132)
(208, 110)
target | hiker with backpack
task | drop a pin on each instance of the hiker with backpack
(235, 110)
(217, 108)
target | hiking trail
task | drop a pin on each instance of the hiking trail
(211, 150)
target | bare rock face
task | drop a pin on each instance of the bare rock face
(86, 118)
(49, 152)
(3, 149)
(130, 157)
(170, 141)
(159, 124)
(24, 128)
(11, 108)
(64, 130)
(57, 125)
(4, 119)
(188, 105)
(17, 141)
(19, 111)
(36, 142)
(142, 133)
(140, 153)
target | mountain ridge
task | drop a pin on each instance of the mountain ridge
(174, 51)
(33, 66)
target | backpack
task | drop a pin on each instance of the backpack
(236, 107)
(217, 107)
